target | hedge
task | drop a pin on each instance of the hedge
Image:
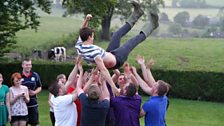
(194, 85)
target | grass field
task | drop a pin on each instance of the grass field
(51, 29)
(182, 54)
(180, 112)
(173, 54)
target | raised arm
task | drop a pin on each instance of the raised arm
(79, 82)
(104, 89)
(129, 75)
(73, 73)
(116, 75)
(147, 75)
(141, 82)
(106, 74)
(91, 79)
(86, 21)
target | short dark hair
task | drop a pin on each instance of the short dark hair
(54, 88)
(93, 92)
(27, 59)
(131, 90)
(84, 33)
(162, 88)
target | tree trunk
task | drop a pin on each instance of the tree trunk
(105, 24)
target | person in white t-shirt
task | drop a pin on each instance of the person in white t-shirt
(64, 108)
(65, 111)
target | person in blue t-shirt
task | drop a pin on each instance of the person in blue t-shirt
(155, 108)
(32, 81)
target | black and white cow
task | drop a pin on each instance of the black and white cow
(57, 53)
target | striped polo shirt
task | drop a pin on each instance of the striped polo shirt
(89, 52)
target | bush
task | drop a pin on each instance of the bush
(175, 28)
(200, 21)
(182, 18)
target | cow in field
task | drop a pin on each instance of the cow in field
(57, 53)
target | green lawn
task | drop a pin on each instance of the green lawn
(51, 29)
(180, 112)
(182, 54)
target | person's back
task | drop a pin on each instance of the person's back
(93, 112)
(64, 110)
(155, 109)
(126, 110)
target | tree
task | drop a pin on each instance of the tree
(201, 21)
(188, 3)
(174, 3)
(221, 24)
(182, 18)
(18, 15)
(175, 28)
(103, 10)
(221, 12)
(221, 18)
(164, 17)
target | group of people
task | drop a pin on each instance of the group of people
(18, 104)
(105, 100)
(93, 98)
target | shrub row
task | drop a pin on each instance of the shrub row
(185, 84)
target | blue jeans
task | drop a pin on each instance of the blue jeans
(121, 53)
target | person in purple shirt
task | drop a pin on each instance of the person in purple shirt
(127, 106)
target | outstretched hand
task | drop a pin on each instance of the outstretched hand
(88, 17)
(117, 72)
(150, 63)
(133, 69)
(127, 71)
(140, 59)
(78, 60)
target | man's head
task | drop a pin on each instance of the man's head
(160, 88)
(130, 90)
(86, 34)
(27, 65)
(122, 80)
(61, 78)
(93, 92)
(57, 89)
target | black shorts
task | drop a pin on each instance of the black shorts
(33, 116)
(19, 118)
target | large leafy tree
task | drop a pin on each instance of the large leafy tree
(17, 15)
(103, 10)
(201, 21)
(182, 18)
